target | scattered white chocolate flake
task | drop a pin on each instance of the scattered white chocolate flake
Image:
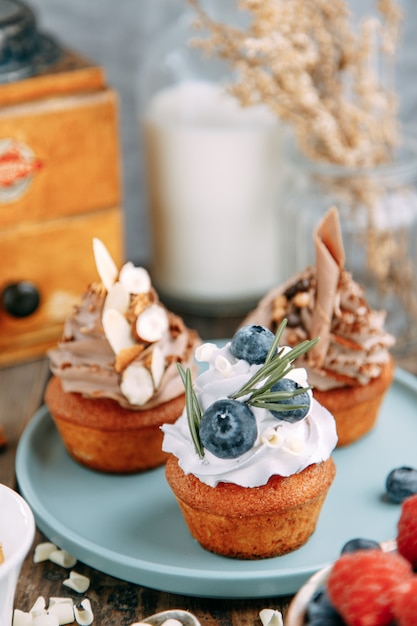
(83, 614)
(63, 558)
(270, 617)
(157, 366)
(135, 279)
(45, 619)
(117, 298)
(152, 323)
(117, 330)
(43, 550)
(63, 609)
(105, 265)
(295, 445)
(20, 618)
(39, 606)
(223, 365)
(77, 582)
(271, 437)
(204, 352)
(137, 385)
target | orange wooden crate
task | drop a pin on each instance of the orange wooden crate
(59, 188)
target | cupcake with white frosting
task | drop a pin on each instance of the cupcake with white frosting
(115, 379)
(250, 460)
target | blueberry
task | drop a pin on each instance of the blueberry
(228, 429)
(401, 483)
(359, 543)
(291, 415)
(252, 343)
(321, 611)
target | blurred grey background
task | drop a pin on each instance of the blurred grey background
(118, 37)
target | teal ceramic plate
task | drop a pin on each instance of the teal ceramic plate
(130, 526)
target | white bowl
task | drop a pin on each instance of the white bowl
(297, 609)
(17, 531)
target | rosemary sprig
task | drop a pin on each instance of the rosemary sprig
(193, 409)
(276, 366)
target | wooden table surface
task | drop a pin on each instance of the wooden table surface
(113, 601)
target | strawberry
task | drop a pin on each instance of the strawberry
(361, 586)
(407, 530)
(405, 603)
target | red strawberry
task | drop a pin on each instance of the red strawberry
(361, 586)
(405, 603)
(407, 530)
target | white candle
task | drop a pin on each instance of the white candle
(214, 174)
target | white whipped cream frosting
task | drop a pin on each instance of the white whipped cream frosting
(281, 448)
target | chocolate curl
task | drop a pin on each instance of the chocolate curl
(330, 259)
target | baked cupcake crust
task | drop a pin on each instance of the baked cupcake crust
(355, 409)
(102, 435)
(256, 522)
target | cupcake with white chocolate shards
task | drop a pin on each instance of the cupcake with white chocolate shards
(115, 379)
(351, 368)
(250, 462)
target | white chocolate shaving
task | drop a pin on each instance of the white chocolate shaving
(271, 437)
(20, 618)
(135, 279)
(269, 617)
(204, 352)
(137, 385)
(223, 365)
(64, 611)
(157, 366)
(105, 265)
(84, 615)
(152, 323)
(77, 582)
(63, 558)
(45, 619)
(117, 330)
(39, 606)
(117, 298)
(42, 551)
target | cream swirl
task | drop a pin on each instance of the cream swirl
(281, 448)
(101, 353)
(324, 301)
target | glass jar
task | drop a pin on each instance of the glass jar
(378, 215)
(213, 175)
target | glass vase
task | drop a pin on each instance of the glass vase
(378, 215)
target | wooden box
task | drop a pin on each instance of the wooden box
(59, 188)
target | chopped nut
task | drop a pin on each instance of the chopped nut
(301, 299)
(127, 355)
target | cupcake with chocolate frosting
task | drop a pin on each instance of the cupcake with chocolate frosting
(351, 368)
(115, 379)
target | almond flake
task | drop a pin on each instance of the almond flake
(152, 323)
(105, 265)
(117, 330)
(137, 385)
(117, 298)
(135, 279)
(157, 366)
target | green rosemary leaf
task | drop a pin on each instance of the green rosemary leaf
(193, 409)
(277, 365)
